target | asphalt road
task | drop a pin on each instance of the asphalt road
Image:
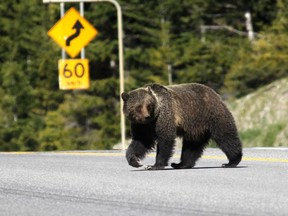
(102, 183)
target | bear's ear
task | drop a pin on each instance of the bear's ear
(157, 87)
(125, 96)
(148, 88)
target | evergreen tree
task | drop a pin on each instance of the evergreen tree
(26, 73)
(265, 60)
(160, 37)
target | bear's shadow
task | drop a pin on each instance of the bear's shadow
(194, 168)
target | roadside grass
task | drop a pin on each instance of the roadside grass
(262, 117)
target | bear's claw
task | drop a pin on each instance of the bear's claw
(150, 167)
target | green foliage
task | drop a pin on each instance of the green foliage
(250, 135)
(261, 64)
(271, 135)
(84, 121)
(262, 116)
(265, 61)
(262, 137)
(36, 115)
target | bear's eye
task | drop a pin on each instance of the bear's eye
(149, 107)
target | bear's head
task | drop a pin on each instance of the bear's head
(141, 105)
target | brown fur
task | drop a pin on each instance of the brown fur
(192, 111)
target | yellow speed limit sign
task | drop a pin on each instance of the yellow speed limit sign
(73, 74)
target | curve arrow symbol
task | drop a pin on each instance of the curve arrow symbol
(78, 26)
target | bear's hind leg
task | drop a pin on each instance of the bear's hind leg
(233, 162)
(191, 152)
(231, 145)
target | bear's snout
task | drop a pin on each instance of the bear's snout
(144, 115)
(148, 117)
(143, 119)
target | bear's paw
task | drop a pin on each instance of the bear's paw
(153, 167)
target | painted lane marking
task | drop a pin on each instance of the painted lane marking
(105, 154)
(282, 160)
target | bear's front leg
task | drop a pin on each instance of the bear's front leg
(142, 143)
(132, 159)
(135, 153)
(165, 148)
(165, 138)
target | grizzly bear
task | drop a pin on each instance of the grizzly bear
(158, 114)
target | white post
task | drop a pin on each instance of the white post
(82, 14)
(62, 12)
(249, 26)
(120, 47)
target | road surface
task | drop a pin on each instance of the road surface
(102, 183)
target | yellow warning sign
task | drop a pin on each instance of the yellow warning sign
(73, 74)
(72, 32)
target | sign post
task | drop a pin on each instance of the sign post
(120, 50)
(62, 11)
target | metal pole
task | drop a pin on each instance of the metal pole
(120, 47)
(82, 14)
(62, 12)
(121, 69)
